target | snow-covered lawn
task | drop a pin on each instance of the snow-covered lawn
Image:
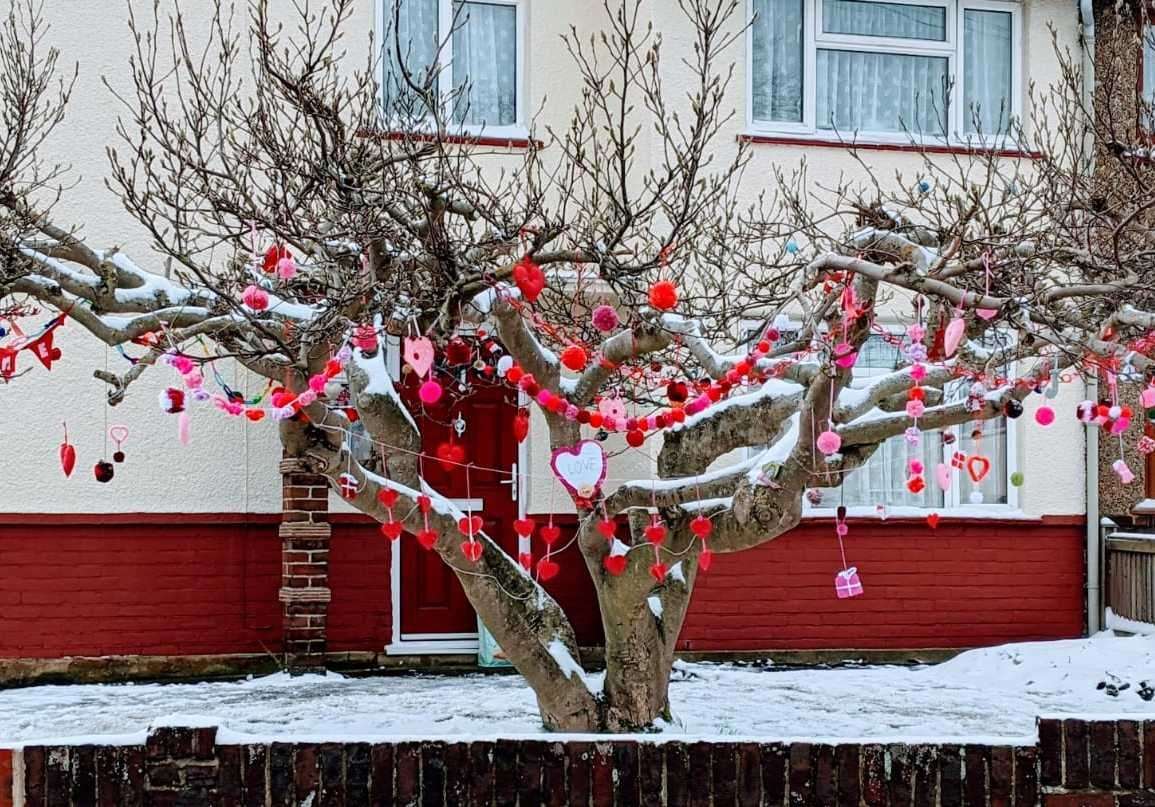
(992, 694)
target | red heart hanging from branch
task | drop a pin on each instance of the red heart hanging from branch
(978, 467)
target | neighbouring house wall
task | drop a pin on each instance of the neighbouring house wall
(231, 465)
(1097, 763)
(178, 586)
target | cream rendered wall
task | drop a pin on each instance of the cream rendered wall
(231, 464)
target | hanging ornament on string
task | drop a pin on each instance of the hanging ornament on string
(617, 559)
(529, 278)
(521, 424)
(547, 567)
(426, 537)
(419, 355)
(847, 583)
(392, 528)
(67, 454)
(581, 468)
(702, 527)
(604, 318)
(663, 295)
(953, 334)
(524, 528)
(119, 434)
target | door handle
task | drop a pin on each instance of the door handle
(512, 482)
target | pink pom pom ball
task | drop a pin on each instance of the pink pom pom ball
(1044, 416)
(605, 318)
(255, 298)
(430, 392)
(829, 442)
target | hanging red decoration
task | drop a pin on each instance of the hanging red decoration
(574, 358)
(458, 352)
(472, 550)
(427, 538)
(550, 533)
(702, 527)
(607, 528)
(273, 256)
(469, 525)
(103, 471)
(932, 521)
(663, 295)
(615, 564)
(521, 425)
(42, 347)
(635, 437)
(529, 278)
(67, 454)
(392, 530)
(450, 454)
(655, 533)
(705, 560)
(524, 527)
(658, 571)
(547, 569)
(348, 485)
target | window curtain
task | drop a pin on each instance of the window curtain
(417, 33)
(485, 64)
(895, 20)
(776, 44)
(986, 71)
(881, 92)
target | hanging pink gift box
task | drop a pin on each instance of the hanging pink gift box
(847, 584)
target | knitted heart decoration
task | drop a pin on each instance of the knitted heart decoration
(978, 467)
(427, 538)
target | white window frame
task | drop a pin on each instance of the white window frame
(813, 37)
(518, 129)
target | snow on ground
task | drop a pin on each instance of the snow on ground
(991, 694)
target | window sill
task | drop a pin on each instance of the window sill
(514, 140)
(969, 512)
(903, 146)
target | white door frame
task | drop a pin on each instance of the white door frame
(435, 643)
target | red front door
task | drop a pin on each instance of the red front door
(432, 601)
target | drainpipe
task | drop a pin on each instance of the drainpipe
(1094, 531)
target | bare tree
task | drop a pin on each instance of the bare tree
(264, 142)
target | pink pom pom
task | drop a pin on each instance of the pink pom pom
(918, 372)
(605, 318)
(317, 383)
(1044, 415)
(307, 398)
(829, 442)
(286, 268)
(571, 412)
(915, 408)
(194, 380)
(430, 392)
(182, 364)
(544, 397)
(916, 466)
(255, 298)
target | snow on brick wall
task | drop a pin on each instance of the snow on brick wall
(963, 584)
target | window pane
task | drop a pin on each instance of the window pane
(881, 92)
(485, 64)
(986, 71)
(416, 31)
(993, 446)
(884, 19)
(776, 38)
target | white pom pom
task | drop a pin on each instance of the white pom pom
(976, 497)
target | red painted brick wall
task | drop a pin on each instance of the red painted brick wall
(960, 585)
(149, 586)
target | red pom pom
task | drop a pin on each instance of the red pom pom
(514, 374)
(663, 295)
(273, 255)
(635, 437)
(596, 419)
(916, 394)
(574, 358)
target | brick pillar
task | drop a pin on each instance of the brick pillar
(305, 593)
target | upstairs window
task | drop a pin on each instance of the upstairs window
(474, 49)
(935, 69)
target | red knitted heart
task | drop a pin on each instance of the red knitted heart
(550, 533)
(471, 550)
(932, 520)
(469, 525)
(524, 527)
(547, 569)
(978, 467)
(655, 533)
(424, 503)
(526, 560)
(387, 496)
(658, 571)
(607, 528)
(427, 538)
(391, 530)
(702, 526)
(615, 564)
(705, 558)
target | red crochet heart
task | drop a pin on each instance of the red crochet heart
(655, 533)
(529, 278)
(702, 526)
(450, 454)
(387, 496)
(932, 520)
(469, 525)
(547, 569)
(550, 533)
(978, 467)
(424, 503)
(391, 530)
(705, 559)
(427, 538)
(615, 564)
(526, 560)
(607, 528)
(916, 484)
(658, 571)
(471, 550)
(524, 527)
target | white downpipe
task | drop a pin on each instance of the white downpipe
(1094, 529)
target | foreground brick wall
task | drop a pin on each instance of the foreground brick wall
(1098, 764)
